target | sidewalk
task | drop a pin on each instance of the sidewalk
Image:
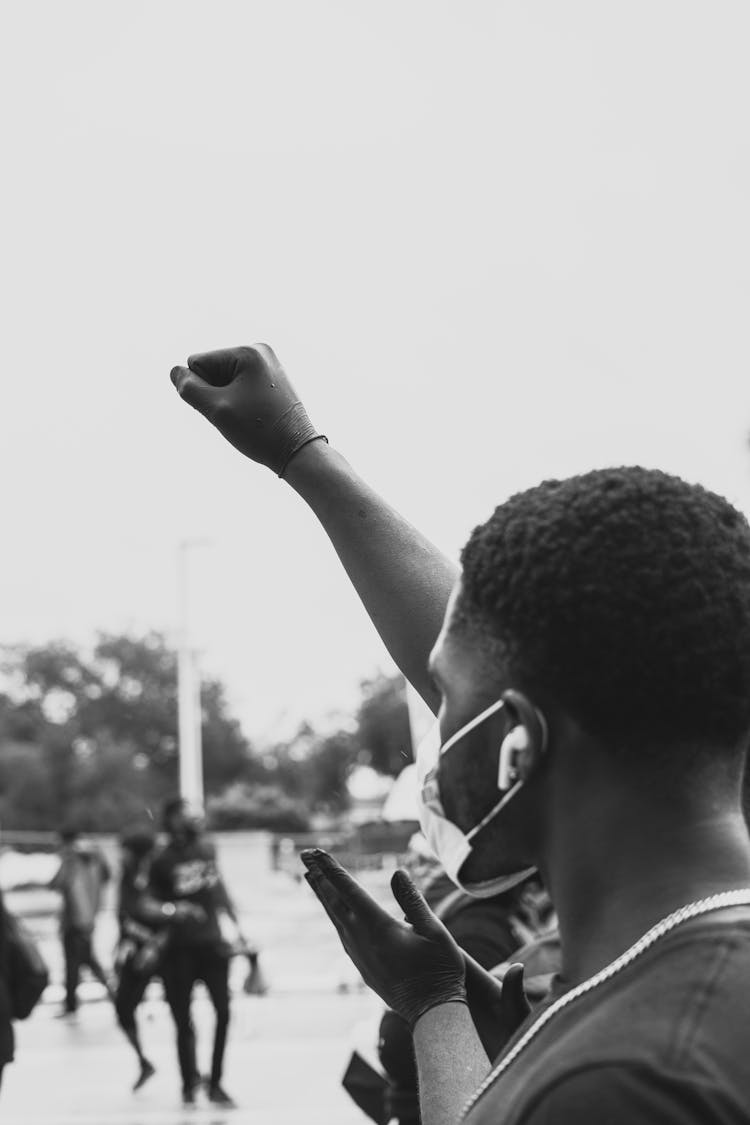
(287, 1050)
(285, 1060)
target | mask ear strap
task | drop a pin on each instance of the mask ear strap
(494, 811)
(519, 740)
(454, 738)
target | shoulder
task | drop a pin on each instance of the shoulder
(686, 995)
(622, 1093)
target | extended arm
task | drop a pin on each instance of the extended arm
(403, 580)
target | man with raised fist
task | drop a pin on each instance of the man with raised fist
(590, 669)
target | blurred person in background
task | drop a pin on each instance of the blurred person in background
(7, 1042)
(143, 935)
(185, 880)
(24, 976)
(81, 878)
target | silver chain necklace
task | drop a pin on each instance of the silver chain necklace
(676, 918)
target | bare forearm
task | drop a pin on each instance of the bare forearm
(402, 579)
(451, 1063)
(142, 907)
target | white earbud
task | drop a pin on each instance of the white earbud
(516, 742)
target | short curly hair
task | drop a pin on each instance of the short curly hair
(624, 595)
(140, 840)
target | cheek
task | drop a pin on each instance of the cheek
(468, 785)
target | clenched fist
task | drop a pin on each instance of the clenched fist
(246, 394)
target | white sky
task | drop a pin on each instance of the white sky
(491, 242)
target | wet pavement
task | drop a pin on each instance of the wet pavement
(284, 1064)
(287, 1050)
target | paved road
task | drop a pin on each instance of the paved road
(287, 1050)
(284, 1065)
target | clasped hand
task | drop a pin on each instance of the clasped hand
(413, 965)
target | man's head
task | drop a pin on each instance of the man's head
(70, 834)
(138, 842)
(618, 604)
(182, 820)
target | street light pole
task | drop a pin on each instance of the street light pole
(188, 688)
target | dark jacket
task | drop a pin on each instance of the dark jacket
(7, 1041)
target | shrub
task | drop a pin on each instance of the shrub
(245, 806)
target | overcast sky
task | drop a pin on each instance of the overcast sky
(491, 242)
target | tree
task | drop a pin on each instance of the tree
(93, 736)
(383, 733)
(101, 729)
(315, 767)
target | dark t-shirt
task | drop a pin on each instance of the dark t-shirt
(189, 872)
(138, 914)
(664, 1042)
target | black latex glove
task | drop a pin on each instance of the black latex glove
(413, 965)
(497, 1008)
(246, 394)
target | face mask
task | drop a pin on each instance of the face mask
(451, 846)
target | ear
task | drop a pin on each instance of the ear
(513, 763)
(523, 746)
(524, 712)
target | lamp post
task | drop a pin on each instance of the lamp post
(188, 687)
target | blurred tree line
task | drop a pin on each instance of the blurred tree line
(91, 737)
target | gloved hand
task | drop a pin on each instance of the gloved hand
(497, 1008)
(412, 965)
(246, 394)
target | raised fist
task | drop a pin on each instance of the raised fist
(246, 394)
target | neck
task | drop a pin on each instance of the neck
(613, 873)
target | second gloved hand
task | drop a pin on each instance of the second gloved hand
(413, 965)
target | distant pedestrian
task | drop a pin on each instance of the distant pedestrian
(185, 873)
(23, 978)
(141, 940)
(6, 1026)
(81, 878)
